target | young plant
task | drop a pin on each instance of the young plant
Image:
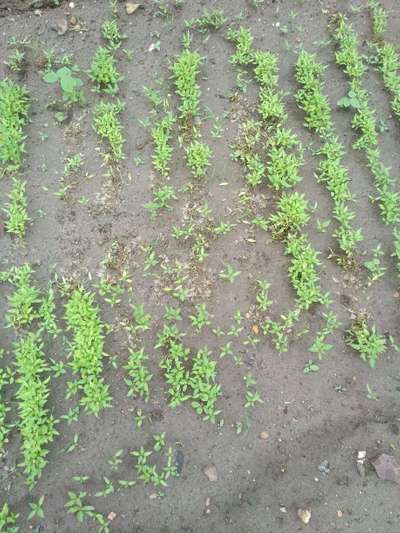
(210, 20)
(86, 349)
(36, 424)
(198, 155)
(139, 375)
(108, 127)
(201, 318)
(263, 302)
(14, 108)
(16, 210)
(36, 508)
(293, 213)
(69, 83)
(112, 34)
(103, 72)
(366, 341)
(205, 390)
(229, 274)
(374, 265)
(185, 71)
(8, 519)
(161, 134)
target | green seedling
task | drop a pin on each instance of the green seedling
(229, 274)
(8, 519)
(86, 349)
(14, 108)
(103, 72)
(141, 319)
(185, 71)
(78, 507)
(366, 341)
(263, 302)
(198, 155)
(69, 83)
(36, 508)
(139, 375)
(16, 210)
(36, 424)
(374, 266)
(112, 34)
(201, 318)
(108, 127)
(210, 20)
(311, 367)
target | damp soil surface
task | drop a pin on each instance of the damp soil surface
(297, 449)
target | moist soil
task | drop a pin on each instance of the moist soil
(309, 418)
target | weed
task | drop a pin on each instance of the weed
(319, 346)
(108, 127)
(172, 314)
(14, 107)
(103, 72)
(366, 341)
(16, 210)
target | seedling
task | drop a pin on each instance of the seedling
(139, 375)
(78, 507)
(103, 72)
(141, 319)
(229, 274)
(262, 299)
(112, 34)
(69, 83)
(311, 367)
(108, 127)
(371, 394)
(14, 107)
(16, 210)
(374, 266)
(36, 424)
(37, 508)
(198, 155)
(366, 341)
(201, 318)
(210, 20)
(86, 349)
